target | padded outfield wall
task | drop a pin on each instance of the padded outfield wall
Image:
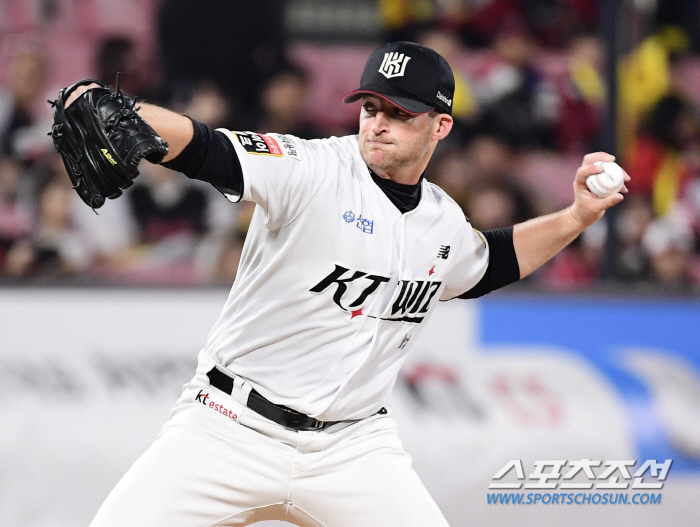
(87, 377)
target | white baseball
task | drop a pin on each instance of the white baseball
(608, 182)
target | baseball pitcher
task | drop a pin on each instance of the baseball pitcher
(349, 251)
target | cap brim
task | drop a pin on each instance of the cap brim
(406, 102)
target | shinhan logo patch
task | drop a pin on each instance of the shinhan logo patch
(394, 64)
(361, 223)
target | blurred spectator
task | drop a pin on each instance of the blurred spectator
(634, 217)
(111, 232)
(15, 215)
(236, 46)
(464, 108)
(491, 163)
(582, 98)
(645, 77)
(491, 207)
(555, 21)
(518, 103)
(655, 158)
(402, 18)
(669, 245)
(170, 217)
(56, 248)
(684, 14)
(207, 104)
(118, 54)
(283, 102)
(482, 180)
(166, 205)
(579, 264)
(449, 170)
(479, 22)
(688, 207)
(22, 134)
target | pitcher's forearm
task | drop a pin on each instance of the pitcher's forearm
(175, 129)
(536, 241)
(539, 239)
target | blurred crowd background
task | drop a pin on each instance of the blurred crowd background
(530, 101)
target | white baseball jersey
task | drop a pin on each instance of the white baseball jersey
(334, 281)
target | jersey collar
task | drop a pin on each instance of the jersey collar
(404, 197)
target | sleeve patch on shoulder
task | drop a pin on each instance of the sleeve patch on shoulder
(259, 144)
(275, 145)
(289, 147)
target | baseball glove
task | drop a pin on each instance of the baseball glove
(101, 139)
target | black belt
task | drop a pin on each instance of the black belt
(274, 412)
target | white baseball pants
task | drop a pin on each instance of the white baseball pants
(218, 463)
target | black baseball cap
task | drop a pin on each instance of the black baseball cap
(413, 77)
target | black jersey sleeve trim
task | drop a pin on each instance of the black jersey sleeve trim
(503, 268)
(211, 157)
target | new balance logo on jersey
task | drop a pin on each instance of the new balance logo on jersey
(444, 252)
(394, 64)
(342, 277)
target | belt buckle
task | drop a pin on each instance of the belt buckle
(298, 421)
(317, 425)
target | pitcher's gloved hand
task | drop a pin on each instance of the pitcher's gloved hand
(102, 139)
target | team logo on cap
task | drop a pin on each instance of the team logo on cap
(394, 64)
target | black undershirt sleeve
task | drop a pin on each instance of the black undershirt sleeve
(210, 157)
(503, 268)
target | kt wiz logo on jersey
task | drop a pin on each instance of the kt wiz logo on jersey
(410, 303)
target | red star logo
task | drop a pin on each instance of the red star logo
(432, 271)
(354, 314)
